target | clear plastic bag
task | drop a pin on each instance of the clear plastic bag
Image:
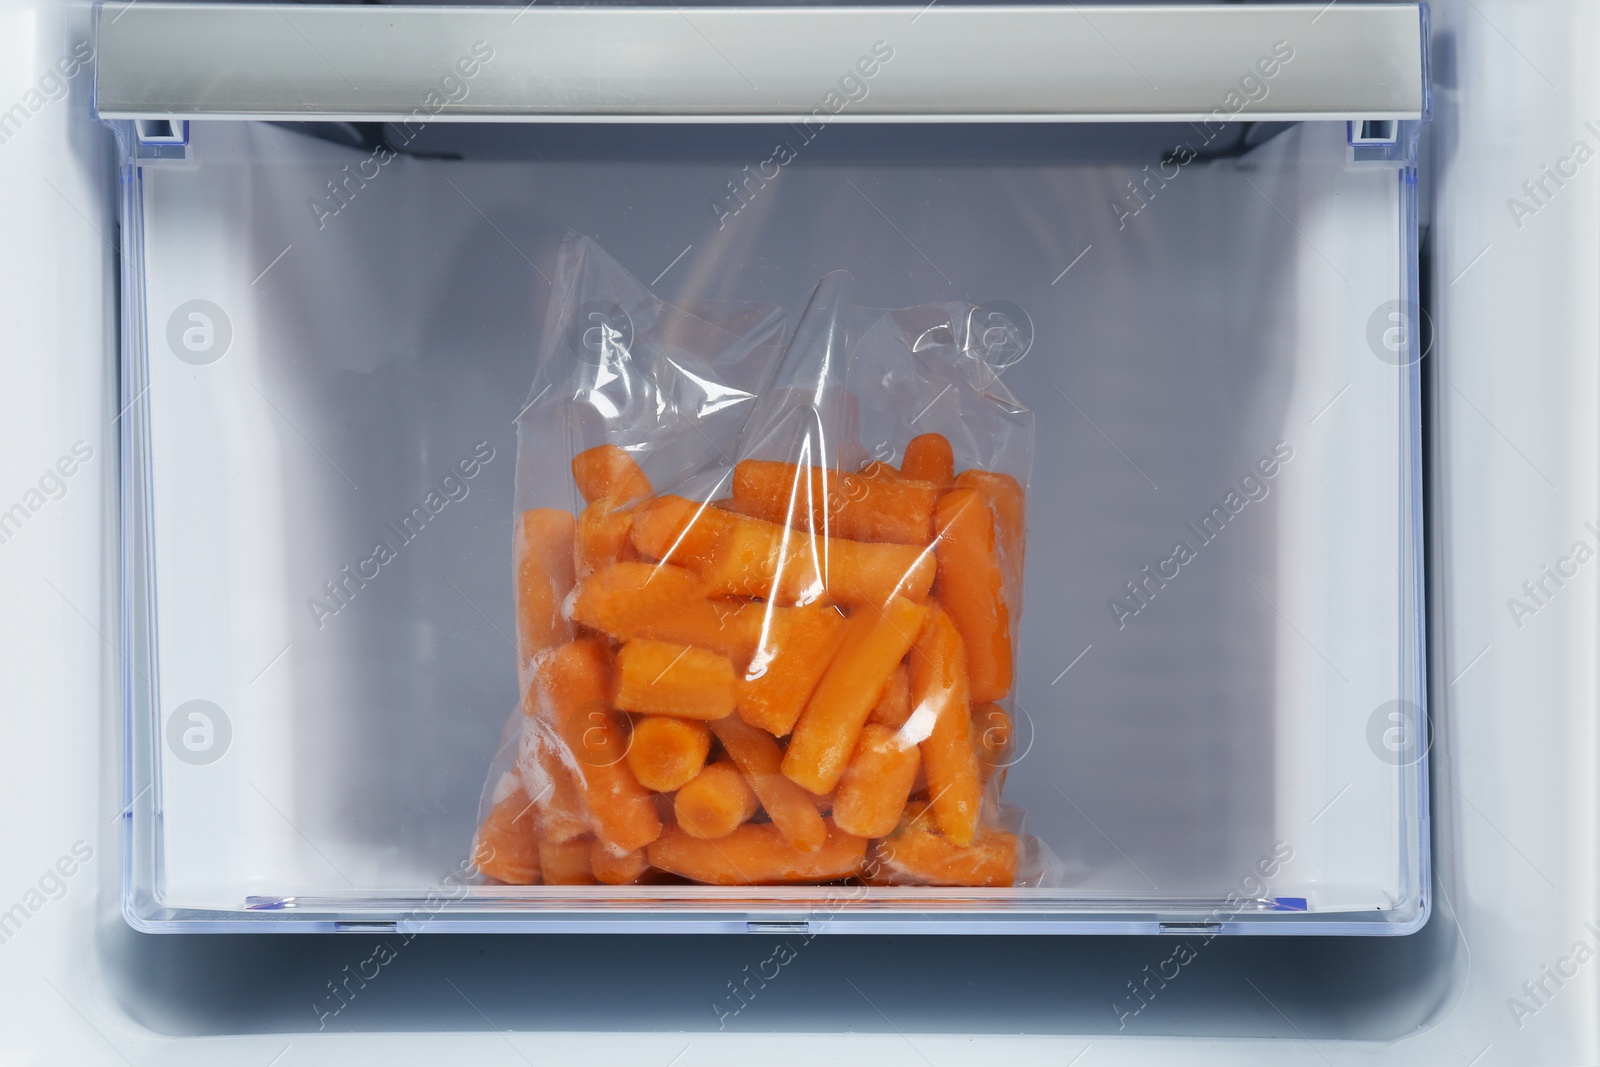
(752, 648)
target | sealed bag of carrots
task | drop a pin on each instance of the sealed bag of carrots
(768, 583)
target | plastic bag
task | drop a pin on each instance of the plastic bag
(752, 649)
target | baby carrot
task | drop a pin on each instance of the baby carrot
(756, 854)
(991, 731)
(602, 538)
(666, 753)
(568, 862)
(571, 692)
(915, 855)
(607, 473)
(665, 603)
(613, 867)
(854, 506)
(795, 648)
(741, 556)
(507, 844)
(873, 791)
(679, 531)
(971, 590)
(939, 692)
(929, 458)
(544, 559)
(894, 706)
(663, 678)
(715, 803)
(875, 640)
(792, 810)
(1008, 504)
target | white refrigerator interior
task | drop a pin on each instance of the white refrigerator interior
(1501, 973)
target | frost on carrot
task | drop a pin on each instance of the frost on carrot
(507, 844)
(544, 571)
(664, 678)
(929, 458)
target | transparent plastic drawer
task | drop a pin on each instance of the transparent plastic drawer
(331, 316)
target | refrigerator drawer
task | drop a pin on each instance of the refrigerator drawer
(1195, 227)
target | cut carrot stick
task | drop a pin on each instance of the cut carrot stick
(664, 678)
(971, 589)
(616, 868)
(607, 473)
(544, 560)
(873, 791)
(571, 693)
(757, 854)
(661, 602)
(507, 844)
(1008, 504)
(716, 803)
(929, 458)
(795, 649)
(568, 862)
(681, 532)
(854, 506)
(894, 706)
(875, 640)
(666, 753)
(792, 810)
(939, 692)
(554, 788)
(915, 855)
(740, 556)
(991, 735)
(602, 538)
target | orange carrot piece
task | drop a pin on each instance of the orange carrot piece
(602, 538)
(616, 868)
(757, 854)
(873, 791)
(915, 855)
(971, 589)
(568, 862)
(507, 844)
(854, 506)
(894, 707)
(607, 473)
(929, 458)
(991, 734)
(1008, 504)
(552, 785)
(792, 810)
(939, 692)
(740, 556)
(667, 753)
(796, 646)
(661, 602)
(663, 678)
(681, 532)
(571, 692)
(544, 559)
(716, 803)
(875, 640)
